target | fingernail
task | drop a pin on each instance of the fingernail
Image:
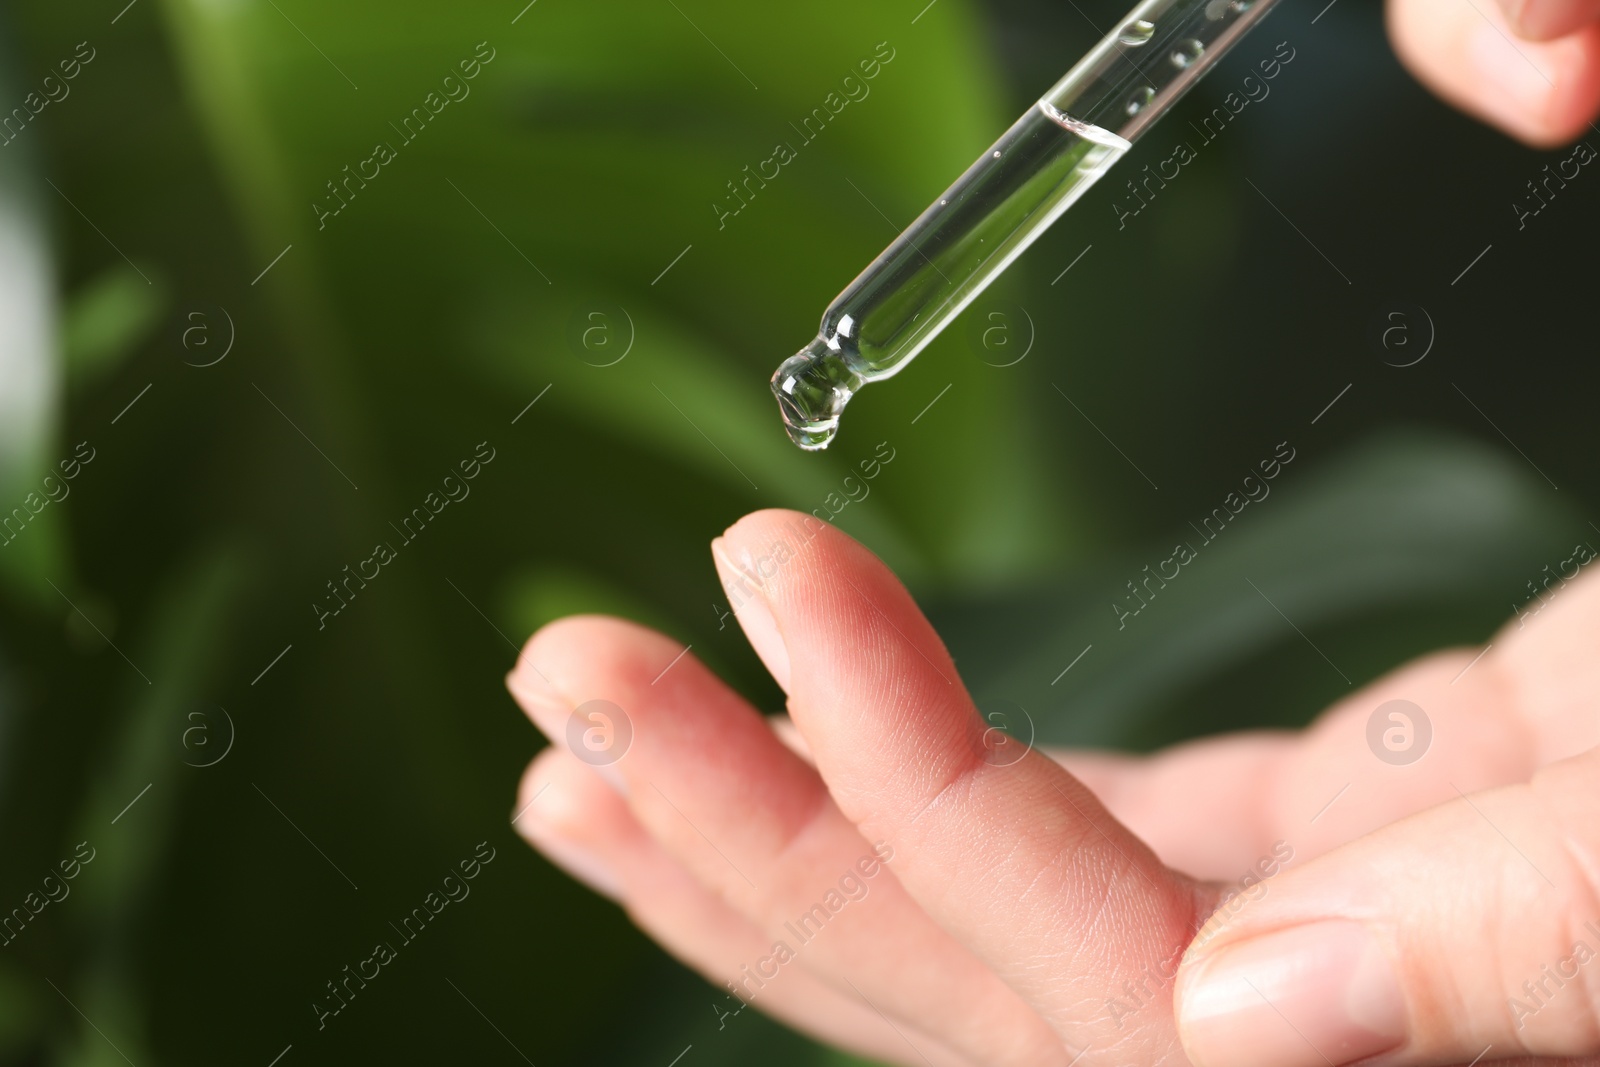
(750, 607)
(1308, 996)
(546, 709)
(535, 693)
(1522, 90)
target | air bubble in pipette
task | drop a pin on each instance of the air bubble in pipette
(1136, 32)
(1186, 53)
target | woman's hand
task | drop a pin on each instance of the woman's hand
(892, 877)
(1530, 67)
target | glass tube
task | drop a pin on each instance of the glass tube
(1024, 182)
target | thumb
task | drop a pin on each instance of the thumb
(1470, 931)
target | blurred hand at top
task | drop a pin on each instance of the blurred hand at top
(1529, 67)
(892, 876)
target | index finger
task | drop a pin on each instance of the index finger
(1017, 860)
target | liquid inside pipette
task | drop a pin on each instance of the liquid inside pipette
(1055, 152)
(940, 264)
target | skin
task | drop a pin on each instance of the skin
(1044, 911)
(1022, 893)
(1529, 67)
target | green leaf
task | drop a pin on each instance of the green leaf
(577, 167)
(1407, 523)
(106, 319)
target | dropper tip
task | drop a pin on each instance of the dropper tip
(811, 438)
(812, 387)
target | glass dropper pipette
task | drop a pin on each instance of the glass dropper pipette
(1004, 201)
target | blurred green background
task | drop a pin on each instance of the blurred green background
(263, 398)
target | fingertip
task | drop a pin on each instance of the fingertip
(581, 658)
(535, 782)
(528, 682)
(777, 541)
(1544, 93)
(765, 520)
(570, 817)
(743, 584)
(544, 705)
(578, 680)
(559, 795)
